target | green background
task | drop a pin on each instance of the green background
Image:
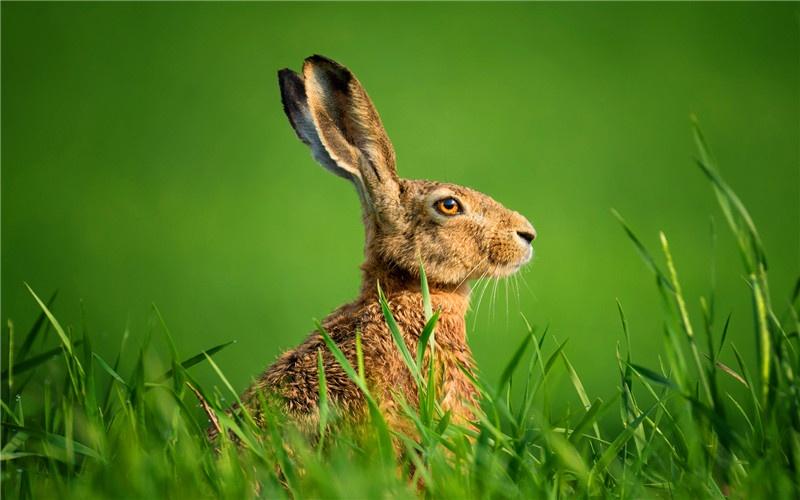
(146, 159)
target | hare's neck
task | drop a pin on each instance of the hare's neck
(449, 299)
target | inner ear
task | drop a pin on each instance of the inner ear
(295, 105)
(350, 128)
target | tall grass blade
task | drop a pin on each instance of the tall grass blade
(35, 330)
(384, 439)
(62, 335)
(397, 336)
(197, 358)
(323, 398)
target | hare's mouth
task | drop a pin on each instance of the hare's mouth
(504, 270)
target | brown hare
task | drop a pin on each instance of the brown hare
(456, 233)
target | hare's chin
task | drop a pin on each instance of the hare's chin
(503, 271)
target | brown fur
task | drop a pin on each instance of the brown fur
(332, 113)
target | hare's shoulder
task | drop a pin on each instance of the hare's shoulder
(294, 376)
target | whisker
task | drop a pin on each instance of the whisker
(525, 282)
(470, 273)
(494, 298)
(480, 296)
(505, 283)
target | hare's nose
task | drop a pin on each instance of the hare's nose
(528, 236)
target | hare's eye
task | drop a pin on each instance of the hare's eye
(448, 206)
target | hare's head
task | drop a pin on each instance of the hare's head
(458, 233)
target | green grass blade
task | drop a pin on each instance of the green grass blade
(197, 358)
(37, 360)
(736, 213)
(360, 356)
(427, 308)
(589, 418)
(57, 441)
(233, 392)
(643, 252)
(384, 439)
(610, 453)
(426, 337)
(508, 371)
(322, 387)
(654, 376)
(105, 366)
(35, 330)
(10, 370)
(62, 335)
(764, 339)
(397, 336)
(580, 390)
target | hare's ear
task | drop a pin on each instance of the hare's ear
(295, 105)
(350, 130)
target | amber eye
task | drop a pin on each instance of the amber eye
(448, 206)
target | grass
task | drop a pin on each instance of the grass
(74, 426)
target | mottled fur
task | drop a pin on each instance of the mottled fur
(331, 112)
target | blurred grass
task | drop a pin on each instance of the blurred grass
(145, 159)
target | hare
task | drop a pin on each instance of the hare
(458, 234)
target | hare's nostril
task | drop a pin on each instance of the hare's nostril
(528, 237)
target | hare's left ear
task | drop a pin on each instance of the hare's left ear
(350, 130)
(295, 105)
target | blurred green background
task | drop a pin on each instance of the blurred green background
(146, 159)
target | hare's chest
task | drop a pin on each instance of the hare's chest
(457, 393)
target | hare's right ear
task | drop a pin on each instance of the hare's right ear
(333, 114)
(295, 105)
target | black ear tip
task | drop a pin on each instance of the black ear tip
(318, 59)
(291, 83)
(287, 75)
(336, 75)
(327, 64)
